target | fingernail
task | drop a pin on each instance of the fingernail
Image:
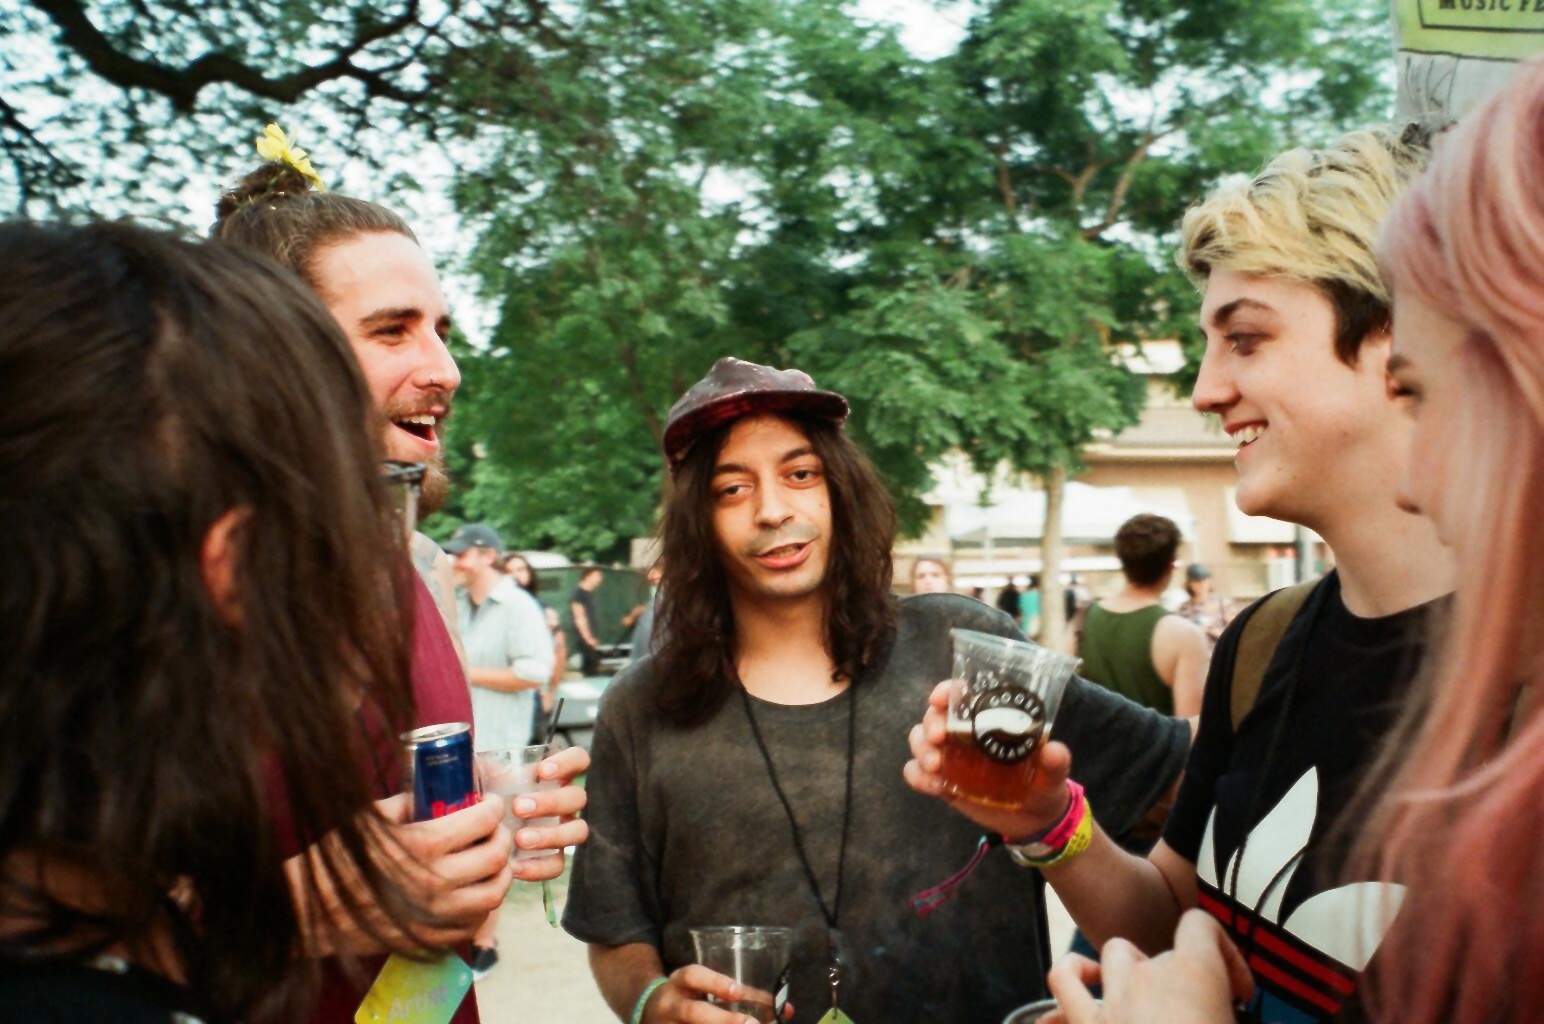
(527, 837)
(525, 807)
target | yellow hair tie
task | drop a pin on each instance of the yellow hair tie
(275, 147)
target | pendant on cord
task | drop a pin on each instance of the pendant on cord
(834, 973)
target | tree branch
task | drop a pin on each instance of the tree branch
(1005, 181)
(39, 171)
(1122, 186)
(629, 359)
(182, 85)
(1084, 178)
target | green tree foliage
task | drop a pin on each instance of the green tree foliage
(959, 245)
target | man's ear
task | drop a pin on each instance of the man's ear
(1377, 345)
(1374, 354)
(219, 559)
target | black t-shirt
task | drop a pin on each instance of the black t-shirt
(686, 831)
(586, 600)
(1314, 934)
(107, 992)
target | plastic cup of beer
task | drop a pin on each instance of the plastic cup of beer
(757, 958)
(511, 773)
(1002, 701)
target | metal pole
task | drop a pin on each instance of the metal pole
(1304, 555)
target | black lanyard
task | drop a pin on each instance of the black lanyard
(831, 912)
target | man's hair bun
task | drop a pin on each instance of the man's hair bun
(272, 182)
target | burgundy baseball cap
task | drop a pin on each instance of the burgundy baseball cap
(735, 388)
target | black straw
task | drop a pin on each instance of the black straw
(552, 723)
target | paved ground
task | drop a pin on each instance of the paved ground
(544, 977)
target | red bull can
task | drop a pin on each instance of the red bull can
(440, 771)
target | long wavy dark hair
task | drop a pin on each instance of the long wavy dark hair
(157, 744)
(695, 663)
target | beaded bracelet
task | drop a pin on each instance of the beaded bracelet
(643, 1000)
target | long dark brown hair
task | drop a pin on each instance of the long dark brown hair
(695, 662)
(158, 743)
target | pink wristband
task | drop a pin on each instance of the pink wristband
(1062, 833)
(1058, 834)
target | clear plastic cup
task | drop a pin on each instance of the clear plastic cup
(511, 773)
(1002, 703)
(757, 958)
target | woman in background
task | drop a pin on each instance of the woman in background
(930, 575)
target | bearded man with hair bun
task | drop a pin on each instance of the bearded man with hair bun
(364, 263)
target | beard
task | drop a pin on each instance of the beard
(436, 488)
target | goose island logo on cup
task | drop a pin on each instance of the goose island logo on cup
(1006, 720)
(1003, 699)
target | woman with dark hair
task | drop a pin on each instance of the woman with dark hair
(189, 641)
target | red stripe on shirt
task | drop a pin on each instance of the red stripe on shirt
(1265, 969)
(1267, 938)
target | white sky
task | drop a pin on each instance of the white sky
(928, 30)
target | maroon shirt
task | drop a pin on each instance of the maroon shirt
(440, 694)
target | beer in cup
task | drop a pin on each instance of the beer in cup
(1002, 701)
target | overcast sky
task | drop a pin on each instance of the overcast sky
(927, 29)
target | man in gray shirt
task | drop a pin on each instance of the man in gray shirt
(504, 631)
(749, 771)
(509, 659)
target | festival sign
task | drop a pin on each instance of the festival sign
(1454, 53)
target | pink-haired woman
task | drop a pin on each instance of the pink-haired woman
(1454, 816)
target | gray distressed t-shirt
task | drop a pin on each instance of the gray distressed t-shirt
(686, 830)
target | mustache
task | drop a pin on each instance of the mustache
(767, 540)
(440, 404)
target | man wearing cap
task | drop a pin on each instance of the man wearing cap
(1201, 607)
(509, 659)
(504, 630)
(749, 771)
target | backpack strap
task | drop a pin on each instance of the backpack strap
(1257, 644)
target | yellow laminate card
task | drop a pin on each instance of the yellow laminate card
(836, 1017)
(1488, 29)
(409, 992)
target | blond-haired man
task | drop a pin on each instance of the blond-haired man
(1297, 340)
